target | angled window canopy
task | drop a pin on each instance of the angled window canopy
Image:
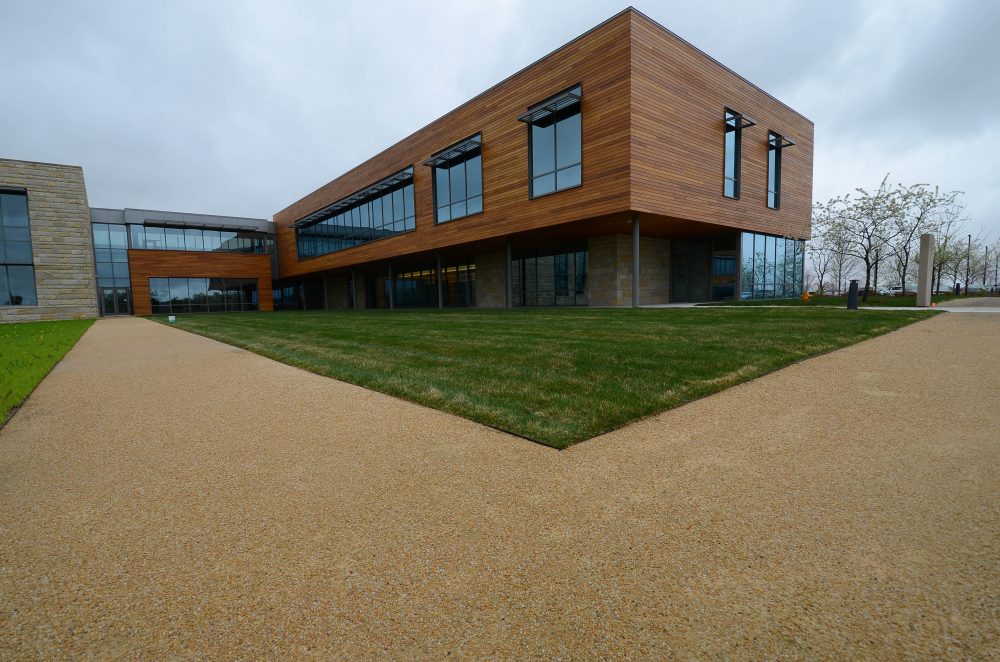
(552, 105)
(457, 150)
(402, 177)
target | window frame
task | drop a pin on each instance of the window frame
(6, 263)
(737, 128)
(555, 147)
(775, 143)
(464, 159)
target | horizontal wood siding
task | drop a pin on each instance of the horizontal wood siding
(146, 264)
(678, 99)
(599, 60)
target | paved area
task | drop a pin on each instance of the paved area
(163, 496)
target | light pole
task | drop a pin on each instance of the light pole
(986, 264)
(968, 264)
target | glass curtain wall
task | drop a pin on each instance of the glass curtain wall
(114, 286)
(558, 279)
(771, 267)
(417, 288)
(203, 295)
(152, 237)
(17, 270)
(384, 214)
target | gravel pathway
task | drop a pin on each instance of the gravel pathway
(166, 496)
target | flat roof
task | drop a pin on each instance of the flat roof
(179, 219)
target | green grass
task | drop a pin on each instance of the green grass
(28, 351)
(556, 376)
(838, 301)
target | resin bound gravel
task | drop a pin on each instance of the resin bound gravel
(166, 496)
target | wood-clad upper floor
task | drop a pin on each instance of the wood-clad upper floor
(652, 142)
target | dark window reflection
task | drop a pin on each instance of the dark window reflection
(557, 148)
(200, 295)
(17, 273)
(550, 280)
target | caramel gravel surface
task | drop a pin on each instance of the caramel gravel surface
(163, 496)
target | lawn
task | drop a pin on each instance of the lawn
(28, 351)
(838, 301)
(557, 376)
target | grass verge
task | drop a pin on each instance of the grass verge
(557, 376)
(28, 351)
(881, 300)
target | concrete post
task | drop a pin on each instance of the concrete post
(925, 269)
(635, 260)
(391, 288)
(354, 289)
(510, 276)
(440, 297)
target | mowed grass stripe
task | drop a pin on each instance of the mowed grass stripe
(558, 376)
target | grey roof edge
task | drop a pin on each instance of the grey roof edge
(155, 216)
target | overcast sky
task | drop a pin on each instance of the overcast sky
(243, 107)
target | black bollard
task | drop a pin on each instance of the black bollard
(852, 296)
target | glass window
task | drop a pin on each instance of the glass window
(746, 269)
(550, 280)
(101, 237)
(193, 240)
(556, 136)
(213, 240)
(21, 285)
(731, 156)
(779, 268)
(155, 239)
(17, 273)
(174, 238)
(378, 216)
(774, 144)
(119, 239)
(138, 236)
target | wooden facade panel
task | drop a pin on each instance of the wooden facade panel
(146, 264)
(678, 99)
(652, 143)
(598, 60)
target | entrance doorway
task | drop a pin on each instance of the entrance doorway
(116, 301)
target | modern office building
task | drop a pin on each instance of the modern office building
(60, 259)
(625, 168)
(46, 256)
(168, 262)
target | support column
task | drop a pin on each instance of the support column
(509, 275)
(440, 298)
(635, 260)
(925, 266)
(354, 289)
(392, 303)
(326, 298)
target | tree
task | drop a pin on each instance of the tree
(820, 251)
(949, 229)
(869, 223)
(917, 206)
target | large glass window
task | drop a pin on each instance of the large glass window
(733, 147)
(152, 237)
(199, 295)
(774, 144)
(558, 279)
(770, 267)
(111, 262)
(458, 180)
(382, 210)
(556, 143)
(17, 271)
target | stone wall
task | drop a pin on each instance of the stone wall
(338, 291)
(61, 241)
(491, 280)
(609, 270)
